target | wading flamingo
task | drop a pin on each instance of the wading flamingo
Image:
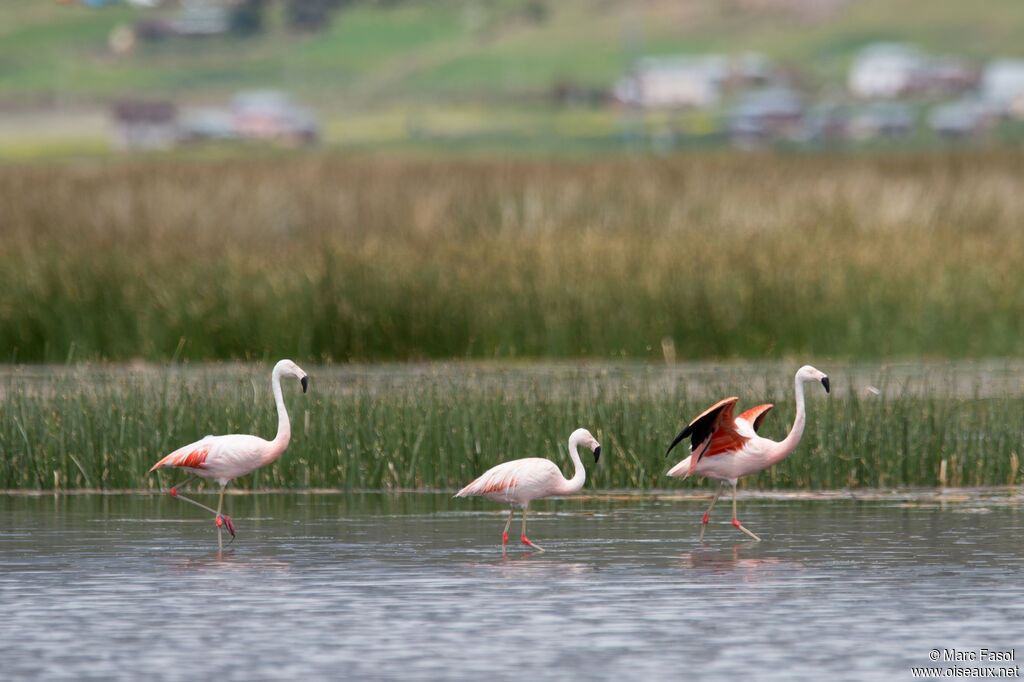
(724, 449)
(223, 458)
(522, 480)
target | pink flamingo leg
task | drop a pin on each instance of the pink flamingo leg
(525, 540)
(219, 518)
(735, 521)
(504, 535)
(707, 514)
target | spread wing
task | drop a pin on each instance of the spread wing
(712, 432)
(755, 415)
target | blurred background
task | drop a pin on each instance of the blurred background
(510, 77)
(363, 181)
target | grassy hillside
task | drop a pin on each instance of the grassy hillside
(385, 52)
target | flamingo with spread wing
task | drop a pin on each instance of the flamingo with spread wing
(725, 449)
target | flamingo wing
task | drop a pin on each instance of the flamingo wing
(755, 415)
(712, 432)
(191, 456)
(220, 458)
(529, 475)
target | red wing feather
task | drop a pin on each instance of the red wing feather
(194, 459)
(712, 432)
(498, 486)
(756, 414)
(724, 409)
(725, 439)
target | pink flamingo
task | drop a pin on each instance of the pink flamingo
(522, 480)
(223, 458)
(724, 449)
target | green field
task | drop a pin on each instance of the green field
(438, 426)
(386, 52)
(458, 78)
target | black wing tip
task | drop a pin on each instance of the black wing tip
(682, 435)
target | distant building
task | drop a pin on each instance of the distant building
(882, 119)
(962, 118)
(1002, 83)
(668, 82)
(824, 123)
(887, 70)
(949, 75)
(767, 114)
(272, 115)
(144, 124)
(202, 18)
(207, 124)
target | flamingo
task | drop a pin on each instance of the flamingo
(224, 458)
(521, 481)
(724, 449)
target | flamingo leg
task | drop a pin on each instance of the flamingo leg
(735, 521)
(526, 540)
(223, 519)
(707, 514)
(174, 490)
(504, 535)
(219, 519)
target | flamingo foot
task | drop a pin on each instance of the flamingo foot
(526, 541)
(736, 522)
(225, 520)
(504, 538)
(174, 492)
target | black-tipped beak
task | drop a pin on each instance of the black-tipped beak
(824, 382)
(597, 453)
(305, 384)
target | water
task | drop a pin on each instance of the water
(416, 587)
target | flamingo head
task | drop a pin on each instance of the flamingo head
(287, 368)
(584, 437)
(808, 373)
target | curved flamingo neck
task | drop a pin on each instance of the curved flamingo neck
(783, 448)
(284, 427)
(574, 484)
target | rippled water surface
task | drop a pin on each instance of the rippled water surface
(416, 587)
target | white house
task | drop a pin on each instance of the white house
(1002, 83)
(887, 70)
(665, 82)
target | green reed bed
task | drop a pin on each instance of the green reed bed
(438, 426)
(341, 260)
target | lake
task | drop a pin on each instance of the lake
(415, 586)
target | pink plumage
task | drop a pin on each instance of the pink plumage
(224, 458)
(521, 481)
(724, 448)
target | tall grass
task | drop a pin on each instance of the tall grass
(728, 256)
(438, 426)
